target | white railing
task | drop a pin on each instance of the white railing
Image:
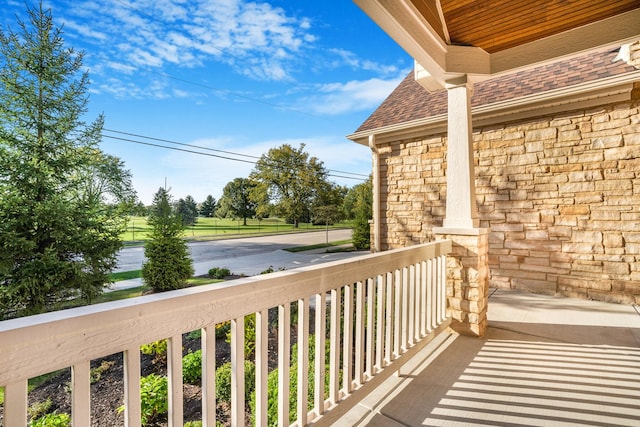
(374, 309)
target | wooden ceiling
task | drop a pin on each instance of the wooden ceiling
(477, 39)
(496, 25)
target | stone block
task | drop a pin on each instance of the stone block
(540, 134)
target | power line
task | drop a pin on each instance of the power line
(213, 155)
(208, 149)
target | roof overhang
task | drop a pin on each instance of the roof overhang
(422, 32)
(586, 95)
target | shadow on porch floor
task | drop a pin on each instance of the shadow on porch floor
(544, 361)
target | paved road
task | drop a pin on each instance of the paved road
(249, 255)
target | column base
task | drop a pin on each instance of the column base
(467, 278)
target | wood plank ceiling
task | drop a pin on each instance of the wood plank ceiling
(496, 25)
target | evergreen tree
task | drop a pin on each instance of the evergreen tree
(59, 237)
(208, 207)
(168, 264)
(362, 211)
(187, 209)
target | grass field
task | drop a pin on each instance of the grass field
(212, 228)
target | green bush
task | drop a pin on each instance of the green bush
(193, 424)
(195, 335)
(361, 233)
(52, 420)
(219, 272)
(192, 367)
(154, 398)
(222, 329)
(249, 335)
(39, 409)
(272, 385)
(157, 349)
(223, 381)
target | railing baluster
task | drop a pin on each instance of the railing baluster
(371, 314)
(347, 342)
(174, 374)
(284, 338)
(405, 309)
(442, 259)
(424, 285)
(208, 340)
(431, 295)
(417, 296)
(237, 371)
(15, 404)
(319, 374)
(334, 347)
(132, 411)
(81, 394)
(359, 326)
(262, 345)
(303, 361)
(380, 319)
(388, 319)
(397, 313)
(411, 270)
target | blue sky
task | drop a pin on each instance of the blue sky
(232, 75)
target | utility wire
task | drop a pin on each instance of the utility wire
(207, 149)
(215, 155)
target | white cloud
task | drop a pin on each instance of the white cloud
(355, 95)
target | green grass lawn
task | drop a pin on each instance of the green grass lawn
(211, 228)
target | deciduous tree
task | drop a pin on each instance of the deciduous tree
(237, 199)
(291, 179)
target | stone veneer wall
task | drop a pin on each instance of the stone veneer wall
(560, 194)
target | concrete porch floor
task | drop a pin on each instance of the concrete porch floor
(545, 361)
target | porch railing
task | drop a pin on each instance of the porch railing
(372, 310)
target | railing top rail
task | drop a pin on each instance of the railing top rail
(43, 343)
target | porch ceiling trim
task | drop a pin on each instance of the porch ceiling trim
(441, 61)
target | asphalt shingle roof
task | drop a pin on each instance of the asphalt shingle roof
(410, 101)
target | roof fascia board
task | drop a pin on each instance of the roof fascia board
(404, 23)
(585, 95)
(607, 33)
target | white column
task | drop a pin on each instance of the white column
(375, 244)
(461, 212)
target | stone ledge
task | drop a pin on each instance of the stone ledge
(461, 231)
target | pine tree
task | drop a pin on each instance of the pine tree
(59, 237)
(168, 264)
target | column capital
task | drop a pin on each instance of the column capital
(460, 81)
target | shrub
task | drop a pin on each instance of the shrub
(219, 272)
(157, 349)
(193, 424)
(195, 335)
(222, 329)
(96, 373)
(38, 409)
(154, 398)
(272, 385)
(192, 367)
(223, 381)
(52, 420)
(249, 335)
